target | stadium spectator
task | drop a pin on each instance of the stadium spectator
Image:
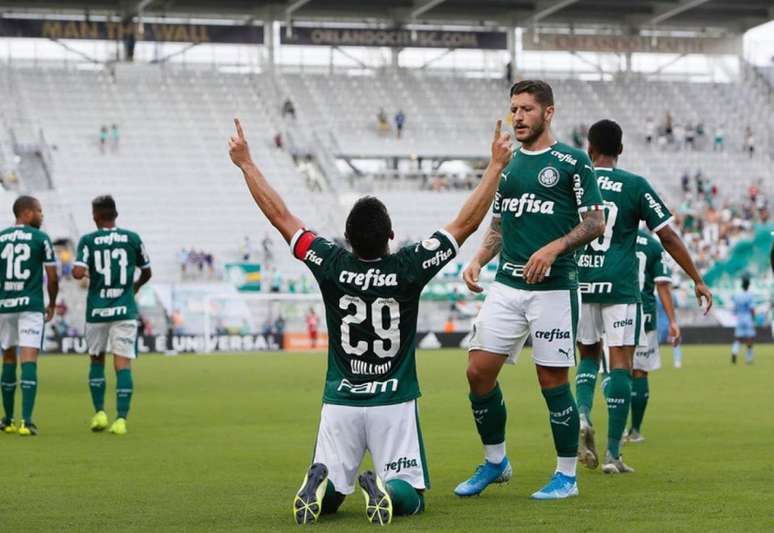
(278, 141)
(279, 330)
(66, 261)
(685, 182)
(182, 259)
(267, 330)
(719, 143)
(668, 128)
(382, 123)
(245, 250)
(103, 138)
(288, 109)
(749, 141)
(690, 136)
(267, 244)
(400, 121)
(178, 322)
(312, 321)
(577, 137)
(650, 130)
(276, 280)
(115, 137)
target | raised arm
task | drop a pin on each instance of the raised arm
(591, 226)
(268, 200)
(674, 245)
(477, 204)
(664, 289)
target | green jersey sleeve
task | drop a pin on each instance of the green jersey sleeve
(314, 251)
(498, 201)
(661, 270)
(82, 253)
(587, 194)
(425, 259)
(142, 259)
(48, 257)
(652, 209)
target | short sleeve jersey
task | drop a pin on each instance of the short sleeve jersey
(607, 266)
(111, 256)
(743, 307)
(24, 252)
(371, 312)
(539, 199)
(652, 268)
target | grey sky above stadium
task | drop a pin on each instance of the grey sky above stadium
(735, 16)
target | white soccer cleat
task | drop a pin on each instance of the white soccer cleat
(615, 466)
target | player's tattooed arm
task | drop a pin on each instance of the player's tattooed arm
(268, 200)
(591, 226)
(490, 247)
(674, 245)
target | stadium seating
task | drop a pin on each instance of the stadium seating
(175, 185)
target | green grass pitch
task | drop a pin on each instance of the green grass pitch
(222, 443)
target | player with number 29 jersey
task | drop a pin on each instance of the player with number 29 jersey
(371, 312)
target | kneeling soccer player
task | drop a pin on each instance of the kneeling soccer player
(371, 303)
(110, 256)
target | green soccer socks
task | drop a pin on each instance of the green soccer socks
(619, 395)
(640, 394)
(29, 387)
(8, 385)
(490, 415)
(585, 381)
(406, 500)
(97, 385)
(124, 388)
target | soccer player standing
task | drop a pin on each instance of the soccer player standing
(371, 304)
(109, 257)
(654, 275)
(547, 205)
(612, 303)
(25, 252)
(744, 310)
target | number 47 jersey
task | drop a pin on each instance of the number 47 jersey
(371, 310)
(111, 256)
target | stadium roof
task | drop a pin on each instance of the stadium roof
(734, 16)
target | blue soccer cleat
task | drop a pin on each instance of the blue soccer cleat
(485, 475)
(560, 487)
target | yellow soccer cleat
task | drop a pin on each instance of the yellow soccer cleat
(307, 504)
(118, 427)
(99, 422)
(378, 501)
(27, 430)
(7, 425)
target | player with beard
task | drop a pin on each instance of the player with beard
(547, 205)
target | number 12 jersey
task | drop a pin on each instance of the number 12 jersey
(371, 310)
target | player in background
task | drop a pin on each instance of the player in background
(311, 326)
(547, 205)
(654, 275)
(25, 253)
(612, 309)
(744, 310)
(109, 257)
(371, 303)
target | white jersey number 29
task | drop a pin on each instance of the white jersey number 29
(389, 335)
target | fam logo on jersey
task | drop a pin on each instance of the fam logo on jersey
(371, 387)
(403, 463)
(548, 177)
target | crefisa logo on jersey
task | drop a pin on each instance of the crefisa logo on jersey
(548, 177)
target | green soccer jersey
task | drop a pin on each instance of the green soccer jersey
(540, 198)
(608, 266)
(371, 311)
(24, 252)
(111, 256)
(653, 268)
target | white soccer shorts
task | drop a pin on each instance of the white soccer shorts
(648, 358)
(510, 315)
(616, 324)
(118, 337)
(22, 329)
(390, 432)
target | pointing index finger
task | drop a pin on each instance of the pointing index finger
(498, 126)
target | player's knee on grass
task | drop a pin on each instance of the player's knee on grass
(332, 499)
(406, 500)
